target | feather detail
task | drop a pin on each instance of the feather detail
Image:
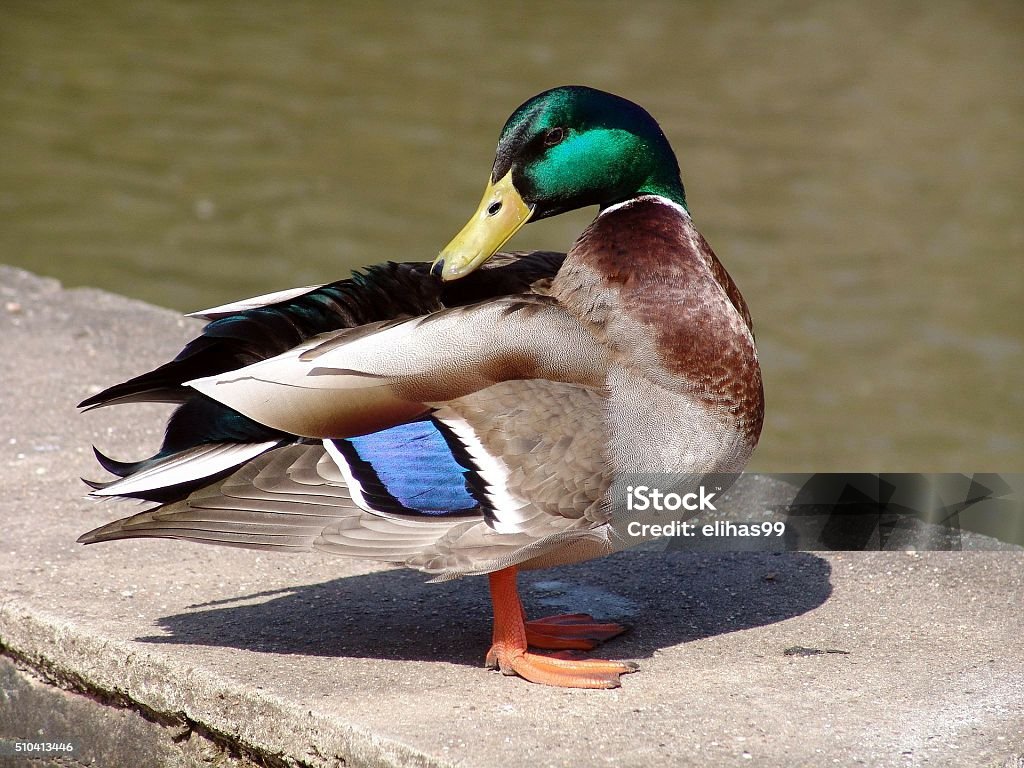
(190, 465)
(491, 480)
(115, 467)
(353, 383)
(410, 469)
(256, 302)
(285, 498)
(256, 329)
(268, 325)
(300, 496)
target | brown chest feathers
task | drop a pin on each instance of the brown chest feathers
(651, 288)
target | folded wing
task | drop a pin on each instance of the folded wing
(357, 381)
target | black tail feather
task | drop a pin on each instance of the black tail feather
(382, 292)
(114, 467)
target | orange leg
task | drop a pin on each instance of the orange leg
(508, 651)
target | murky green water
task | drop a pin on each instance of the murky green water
(857, 166)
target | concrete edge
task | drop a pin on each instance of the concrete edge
(246, 724)
(83, 731)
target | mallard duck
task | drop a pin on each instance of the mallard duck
(469, 416)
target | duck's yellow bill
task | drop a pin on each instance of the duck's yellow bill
(500, 215)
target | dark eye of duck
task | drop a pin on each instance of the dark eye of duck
(553, 136)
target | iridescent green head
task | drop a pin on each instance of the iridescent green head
(574, 146)
(564, 149)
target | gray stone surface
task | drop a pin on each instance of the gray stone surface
(320, 661)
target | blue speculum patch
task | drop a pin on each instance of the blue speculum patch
(412, 469)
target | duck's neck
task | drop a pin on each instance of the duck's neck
(684, 385)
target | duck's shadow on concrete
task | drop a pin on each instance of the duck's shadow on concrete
(666, 597)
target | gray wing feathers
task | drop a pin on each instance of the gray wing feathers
(544, 441)
(288, 498)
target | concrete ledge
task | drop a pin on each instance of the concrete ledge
(105, 732)
(166, 653)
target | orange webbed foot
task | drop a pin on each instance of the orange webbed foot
(558, 670)
(568, 632)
